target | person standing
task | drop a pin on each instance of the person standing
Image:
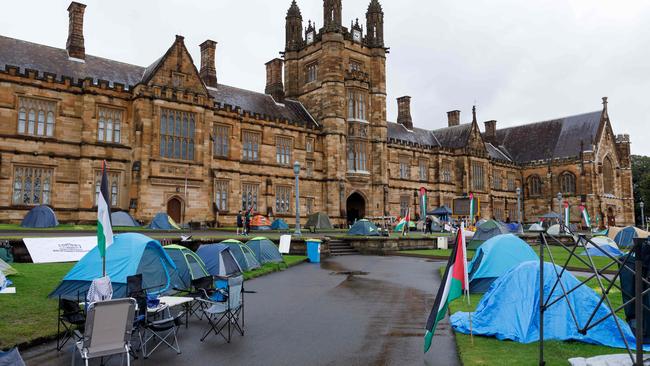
(427, 225)
(240, 223)
(247, 222)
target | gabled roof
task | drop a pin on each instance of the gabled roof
(449, 137)
(28, 55)
(557, 138)
(453, 137)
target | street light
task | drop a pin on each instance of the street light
(518, 204)
(642, 214)
(296, 171)
(559, 206)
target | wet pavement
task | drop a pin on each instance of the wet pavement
(354, 310)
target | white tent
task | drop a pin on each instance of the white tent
(6, 268)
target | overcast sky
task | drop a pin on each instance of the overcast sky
(520, 61)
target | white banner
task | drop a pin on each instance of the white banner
(54, 250)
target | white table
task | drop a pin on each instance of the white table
(171, 301)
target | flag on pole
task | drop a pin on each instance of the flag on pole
(566, 213)
(454, 282)
(471, 209)
(585, 216)
(104, 229)
(423, 203)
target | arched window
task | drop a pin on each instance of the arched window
(608, 176)
(534, 186)
(568, 183)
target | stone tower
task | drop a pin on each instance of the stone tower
(375, 24)
(340, 77)
(293, 27)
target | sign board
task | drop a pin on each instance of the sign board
(460, 206)
(285, 244)
(55, 250)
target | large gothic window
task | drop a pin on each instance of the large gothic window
(177, 134)
(478, 178)
(357, 156)
(356, 105)
(568, 183)
(534, 186)
(109, 127)
(36, 117)
(32, 186)
(608, 176)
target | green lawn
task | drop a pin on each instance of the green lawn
(29, 314)
(560, 255)
(490, 351)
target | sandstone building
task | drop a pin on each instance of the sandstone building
(177, 140)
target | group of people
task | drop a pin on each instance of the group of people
(244, 222)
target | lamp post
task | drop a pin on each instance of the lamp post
(559, 206)
(641, 204)
(518, 204)
(296, 171)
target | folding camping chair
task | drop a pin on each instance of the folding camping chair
(71, 318)
(108, 330)
(229, 313)
(135, 291)
(202, 288)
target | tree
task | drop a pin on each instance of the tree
(640, 183)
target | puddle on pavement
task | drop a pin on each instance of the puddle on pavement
(350, 273)
(332, 266)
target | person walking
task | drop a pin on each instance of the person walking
(240, 224)
(427, 225)
(247, 222)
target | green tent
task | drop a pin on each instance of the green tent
(242, 254)
(318, 220)
(485, 231)
(364, 227)
(189, 266)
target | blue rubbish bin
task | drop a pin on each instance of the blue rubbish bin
(313, 250)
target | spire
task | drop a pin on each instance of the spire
(474, 114)
(293, 28)
(332, 15)
(375, 25)
(605, 108)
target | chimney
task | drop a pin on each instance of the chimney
(453, 118)
(274, 85)
(490, 131)
(208, 71)
(75, 44)
(404, 112)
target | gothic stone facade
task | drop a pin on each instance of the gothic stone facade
(176, 140)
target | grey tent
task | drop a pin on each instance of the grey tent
(264, 250)
(122, 218)
(40, 217)
(318, 220)
(487, 230)
(364, 227)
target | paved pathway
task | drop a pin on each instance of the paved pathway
(315, 315)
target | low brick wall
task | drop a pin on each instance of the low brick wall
(382, 245)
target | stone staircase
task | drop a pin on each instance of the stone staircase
(341, 247)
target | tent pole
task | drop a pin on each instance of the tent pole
(638, 300)
(542, 241)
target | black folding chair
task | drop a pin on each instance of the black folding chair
(160, 332)
(71, 318)
(135, 291)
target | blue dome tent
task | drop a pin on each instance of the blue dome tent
(364, 227)
(162, 221)
(264, 250)
(243, 254)
(485, 231)
(122, 218)
(625, 237)
(279, 224)
(218, 260)
(494, 258)
(129, 254)
(509, 310)
(40, 217)
(189, 266)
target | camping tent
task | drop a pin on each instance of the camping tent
(536, 227)
(243, 254)
(318, 220)
(495, 257)
(6, 268)
(129, 254)
(443, 212)
(162, 221)
(264, 250)
(122, 218)
(625, 237)
(612, 231)
(40, 217)
(260, 222)
(509, 310)
(515, 228)
(601, 241)
(554, 230)
(189, 266)
(279, 224)
(218, 260)
(364, 227)
(489, 229)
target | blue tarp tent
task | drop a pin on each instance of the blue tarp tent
(218, 260)
(605, 244)
(122, 218)
(129, 254)
(162, 221)
(510, 310)
(494, 258)
(279, 224)
(264, 250)
(40, 217)
(364, 227)
(515, 228)
(625, 237)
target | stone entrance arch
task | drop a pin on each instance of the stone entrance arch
(355, 207)
(175, 209)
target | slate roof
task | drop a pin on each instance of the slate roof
(557, 138)
(28, 55)
(449, 137)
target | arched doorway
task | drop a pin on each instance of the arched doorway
(611, 217)
(175, 209)
(355, 207)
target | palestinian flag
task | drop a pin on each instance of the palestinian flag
(566, 213)
(104, 228)
(454, 282)
(585, 216)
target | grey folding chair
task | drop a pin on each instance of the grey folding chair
(108, 330)
(229, 313)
